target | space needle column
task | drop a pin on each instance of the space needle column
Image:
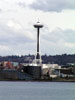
(38, 26)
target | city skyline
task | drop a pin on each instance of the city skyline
(18, 36)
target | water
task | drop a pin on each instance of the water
(37, 91)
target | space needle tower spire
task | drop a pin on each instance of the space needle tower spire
(38, 25)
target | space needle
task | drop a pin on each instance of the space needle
(38, 26)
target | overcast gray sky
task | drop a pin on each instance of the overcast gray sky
(18, 36)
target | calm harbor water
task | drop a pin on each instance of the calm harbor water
(37, 91)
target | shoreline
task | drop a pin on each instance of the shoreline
(40, 80)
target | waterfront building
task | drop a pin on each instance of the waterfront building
(52, 69)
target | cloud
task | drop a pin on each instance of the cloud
(7, 5)
(58, 41)
(0, 9)
(10, 35)
(53, 5)
(22, 4)
(67, 35)
(15, 40)
(16, 33)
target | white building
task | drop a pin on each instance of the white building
(52, 69)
